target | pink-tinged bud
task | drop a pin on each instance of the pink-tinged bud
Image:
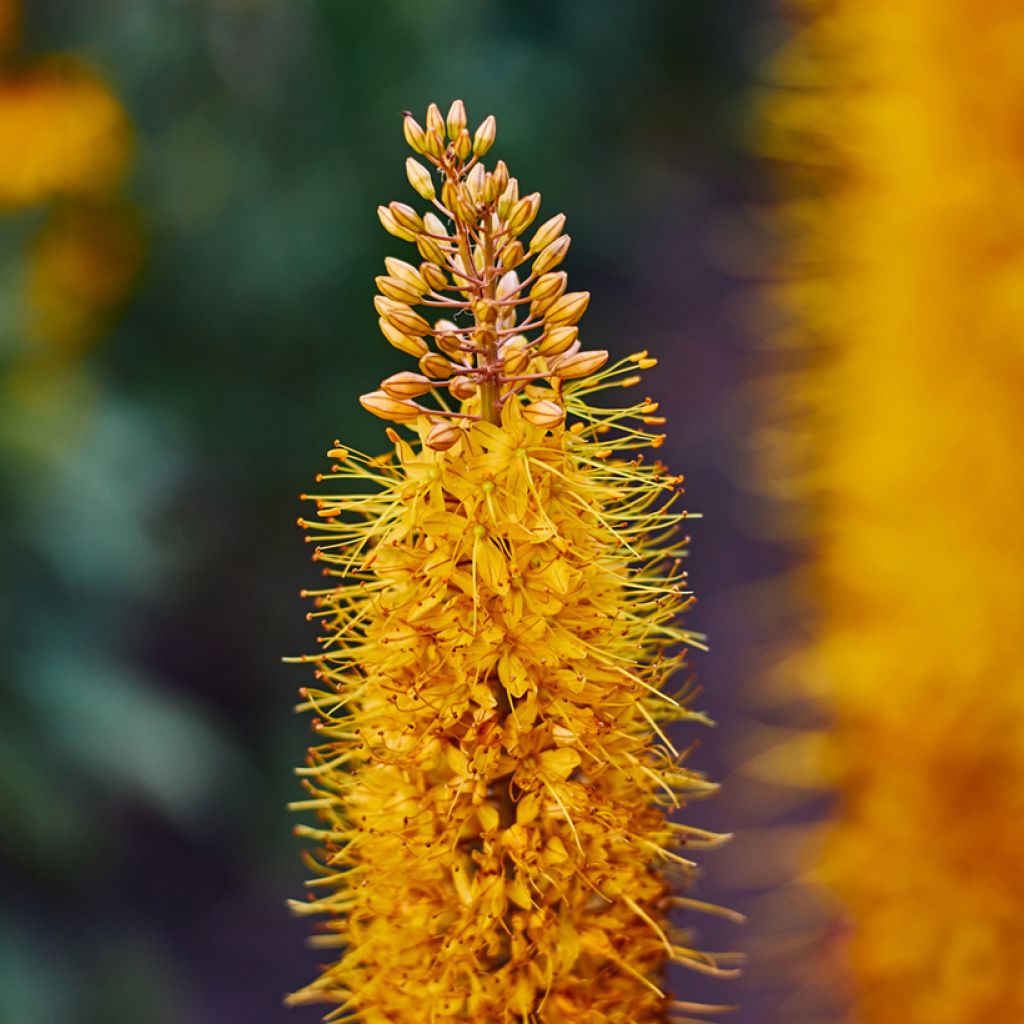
(456, 120)
(552, 255)
(547, 233)
(485, 134)
(568, 309)
(420, 179)
(581, 364)
(411, 346)
(406, 384)
(442, 436)
(508, 285)
(544, 414)
(388, 408)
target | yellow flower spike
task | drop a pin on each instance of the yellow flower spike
(902, 124)
(492, 775)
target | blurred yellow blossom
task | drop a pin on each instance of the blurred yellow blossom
(62, 132)
(904, 123)
(65, 140)
(493, 775)
(84, 261)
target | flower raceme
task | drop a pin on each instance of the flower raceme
(904, 287)
(493, 775)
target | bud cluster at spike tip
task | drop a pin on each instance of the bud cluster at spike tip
(494, 781)
(495, 310)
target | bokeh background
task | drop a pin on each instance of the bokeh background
(185, 323)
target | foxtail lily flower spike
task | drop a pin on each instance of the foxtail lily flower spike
(493, 773)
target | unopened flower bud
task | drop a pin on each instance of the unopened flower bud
(433, 276)
(406, 273)
(430, 248)
(463, 205)
(547, 232)
(581, 364)
(484, 137)
(456, 119)
(433, 143)
(419, 178)
(508, 198)
(552, 255)
(392, 227)
(442, 436)
(508, 285)
(413, 132)
(500, 174)
(387, 408)
(406, 217)
(556, 340)
(549, 286)
(475, 183)
(435, 122)
(462, 388)
(449, 340)
(436, 366)
(463, 145)
(490, 190)
(514, 356)
(522, 214)
(568, 309)
(484, 311)
(512, 254)
(407, 320)
(406, 384)
(544, 413)
(406, 343)
(395, 289)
